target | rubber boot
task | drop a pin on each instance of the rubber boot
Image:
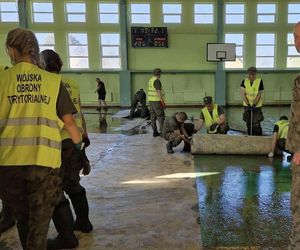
(64, 223)
(186, 148)
(81, 208)
(169, 148)
(7, 219)
(155, 133)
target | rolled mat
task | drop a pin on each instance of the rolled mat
(231, 144)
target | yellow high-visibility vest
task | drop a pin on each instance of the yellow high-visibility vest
(152, 94)
(208, 119)
(29, 125)
(283, 129)
(73, 90)
(252, 91)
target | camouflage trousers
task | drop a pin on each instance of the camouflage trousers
(257, 117)
(295, 208)
(157, 113)
(31, 192)
(175, 138)
(72, 163)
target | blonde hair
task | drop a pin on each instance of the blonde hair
(25, 42)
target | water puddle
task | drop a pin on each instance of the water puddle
(247, 204)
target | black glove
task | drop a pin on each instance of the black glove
(195, 131)
(86, 142)
(213, 127)
(86, 168)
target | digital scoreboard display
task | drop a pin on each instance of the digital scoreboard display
(149, 37)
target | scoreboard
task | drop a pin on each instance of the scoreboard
(149, 37)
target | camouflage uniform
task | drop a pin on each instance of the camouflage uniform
(138, 105)
(293, 145)
(31, 192)
(257, 117)
(156, 112)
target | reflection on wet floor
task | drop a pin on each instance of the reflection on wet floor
(100, 122)
(246, 204)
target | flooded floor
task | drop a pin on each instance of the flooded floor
(244, 201)
(142, 198)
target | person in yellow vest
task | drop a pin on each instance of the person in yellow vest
(280, 132)
(72, 163)
(34, 107)
(213, 117)
(7, 219)
(156, 98)
(251, 91)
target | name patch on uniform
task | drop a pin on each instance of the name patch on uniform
(29, 90)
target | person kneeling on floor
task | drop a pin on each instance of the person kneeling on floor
(175, 130)
(280, 133)
(213, 117)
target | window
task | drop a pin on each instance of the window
(266, 13)
(238, 39)
(108, 12)
(204, 13)
(293, 12)
(110, 50)
(235, 14)
(9, 12)
(43, 12)
(172, 13)
(46, 40)
(265, 50)
(140, 13)
(78, 51)
(76, 12)
(293, 57)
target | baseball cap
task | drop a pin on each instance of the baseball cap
(207, 100)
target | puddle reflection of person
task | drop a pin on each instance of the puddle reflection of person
(102, 122)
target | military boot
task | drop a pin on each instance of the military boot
(64, 223)
(7, 219)
(186, 148)
(169, 147)
(81, 208)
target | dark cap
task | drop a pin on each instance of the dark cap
(252, 70)
(207, 100)
(157, 72)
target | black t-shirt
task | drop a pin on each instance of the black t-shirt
(157, 84)
(276, 129)
(220, 112)
(261, 85)
(64, 104)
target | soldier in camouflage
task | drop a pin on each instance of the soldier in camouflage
(293, 145)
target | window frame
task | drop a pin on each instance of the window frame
(81, 45)
(140, 13)
(75, 13)
(292, 13)
(103, 57)
(9, 12)
(204, 14)
(234, 13)
(172, 14)
(33, 12)
(266, 13)
(288, 56)
(108, 13)
(265, 45)
(242, 46)
(47, 46)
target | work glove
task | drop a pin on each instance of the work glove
(86, 142)
(213, 128)
(163, 105)
(86, 168)
(271, 155)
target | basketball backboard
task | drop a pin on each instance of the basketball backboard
(220, 52)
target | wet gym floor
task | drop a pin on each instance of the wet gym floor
(142, 198)
(243, 201)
